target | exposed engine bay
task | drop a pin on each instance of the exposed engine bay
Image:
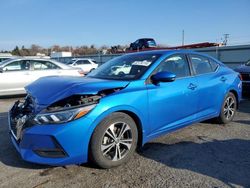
(74, 101)
(80, 100)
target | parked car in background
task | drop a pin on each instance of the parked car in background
(15, 74)
(87, 65)
(244, 71)
(104, 116)
(4, 58)
(142, 44)
(124, 69)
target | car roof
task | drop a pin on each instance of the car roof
(162, 52)
(168, 52)
(36, 59)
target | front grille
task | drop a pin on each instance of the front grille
(245, 76)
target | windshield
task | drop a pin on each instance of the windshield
(5, 61)
(71, 62)
(128, 67)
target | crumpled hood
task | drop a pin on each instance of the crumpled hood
(48, 90)
(243, 69)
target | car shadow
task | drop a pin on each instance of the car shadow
(8, 154)
(13, 96)
(246, 122)
(244, 106)
(226, 160)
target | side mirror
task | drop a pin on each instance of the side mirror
(163, 77)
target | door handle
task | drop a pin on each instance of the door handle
(192, 86)
(223, 79)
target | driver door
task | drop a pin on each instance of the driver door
(172, 104)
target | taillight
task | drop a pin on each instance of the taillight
(81, 72)
(240, 76)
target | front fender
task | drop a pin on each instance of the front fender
(129, 99)
(106, 112)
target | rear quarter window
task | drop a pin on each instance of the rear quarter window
(214, 64)
(200, 64)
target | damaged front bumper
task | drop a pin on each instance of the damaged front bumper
(59, 144)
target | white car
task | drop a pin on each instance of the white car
(86, 65)
(15, 74)
(124, 69)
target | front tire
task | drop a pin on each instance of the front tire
(113, 141)
(228, 109)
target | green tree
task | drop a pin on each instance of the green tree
(16, 51)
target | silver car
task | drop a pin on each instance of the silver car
(15, 74)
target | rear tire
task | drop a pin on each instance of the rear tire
(228, 109)
(113, 141)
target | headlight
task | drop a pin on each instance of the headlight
(62, 116)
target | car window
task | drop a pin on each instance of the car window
(79, 62)
(200, 64)
(214, 64)
(83, 62)
(44, 65)
(176, 64)
(17, 66)
(3, 59)
(151, 42)
(71, 62)
(137, 42)
(86, 62)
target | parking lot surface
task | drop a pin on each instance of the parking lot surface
(201, 155)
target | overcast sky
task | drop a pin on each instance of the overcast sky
(112, 22)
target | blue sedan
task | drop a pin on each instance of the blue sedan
(120, 106)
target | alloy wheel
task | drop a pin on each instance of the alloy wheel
(229, 108)
(116, 141)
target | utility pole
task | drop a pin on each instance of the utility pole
(183, 37)
(226, 37)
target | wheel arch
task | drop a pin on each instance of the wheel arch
(138, 125)
(236, 96)
(131, 112)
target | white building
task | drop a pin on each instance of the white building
(5, 54)
(60, 54)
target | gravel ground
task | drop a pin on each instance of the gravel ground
(201, 155)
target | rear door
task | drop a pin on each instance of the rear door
(15, 76)
(85, 65)
(172, 104)
(211, 86)
(42, 68)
